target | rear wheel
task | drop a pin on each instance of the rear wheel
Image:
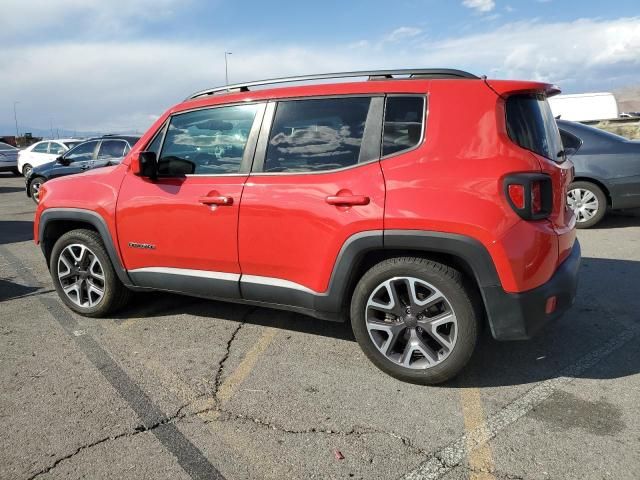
(83, 275)
(588, 202)
(34, 188)
(415, 319)
(26, 169)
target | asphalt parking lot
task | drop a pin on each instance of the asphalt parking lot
(176, 387)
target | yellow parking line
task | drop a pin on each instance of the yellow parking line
(229, 386)
(479, 455)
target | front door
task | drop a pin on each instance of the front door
(179, 232)
(316, 182)
(77, 159)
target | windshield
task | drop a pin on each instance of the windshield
(531, 125)
(70, 145)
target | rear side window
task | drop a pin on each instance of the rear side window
(56, 148)
(316, 135)
(41, 147)
(531, 125)
(403, 122)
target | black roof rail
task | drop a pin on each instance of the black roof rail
(410, 73)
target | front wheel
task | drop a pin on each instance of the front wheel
(83, 275)
(588, 202)
(415, 319)
(26, 169)
(34, 188)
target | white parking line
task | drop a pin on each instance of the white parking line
(453, 454)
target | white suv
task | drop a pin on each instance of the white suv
(43, 152)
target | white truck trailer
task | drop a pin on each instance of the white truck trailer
(585, 107)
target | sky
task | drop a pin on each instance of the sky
(116, 65)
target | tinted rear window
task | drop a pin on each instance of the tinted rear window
(531, 125)
(403, 118)
(316, 135)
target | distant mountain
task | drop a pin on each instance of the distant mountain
(628, 99)
(10, 130)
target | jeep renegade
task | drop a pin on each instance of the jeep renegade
(421, 204)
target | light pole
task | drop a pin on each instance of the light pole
(15, 117)
(226, 68)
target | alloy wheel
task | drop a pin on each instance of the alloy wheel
(35, 190)
(411, 322)
(584, 203)
(81, 275)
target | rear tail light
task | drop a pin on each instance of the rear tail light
(529, 194)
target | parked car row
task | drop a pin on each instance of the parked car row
(89, 154)
(43, 152)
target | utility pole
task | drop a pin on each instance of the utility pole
(15, 117)
(226, 68)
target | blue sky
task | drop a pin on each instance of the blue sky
(116, 65)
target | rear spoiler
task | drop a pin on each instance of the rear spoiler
(504, 88)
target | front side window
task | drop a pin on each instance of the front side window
(70, 145)
(531, 125)
(316, 135)
(212, 140)
(112, 149)
(42, 147)
(82, 152)
(403, 120)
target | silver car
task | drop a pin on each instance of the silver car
(8, 158)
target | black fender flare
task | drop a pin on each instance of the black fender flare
(52, 215)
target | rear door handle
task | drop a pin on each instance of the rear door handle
(217, 200)
(347, 200)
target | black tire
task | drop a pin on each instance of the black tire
(116, 295)
(15, 172)
(602, 203)
(453, 286)
(26, 168)
(33, 193)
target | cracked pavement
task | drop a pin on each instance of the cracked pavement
(176, 387)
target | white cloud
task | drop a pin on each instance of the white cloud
(112, 86)
(402, 33)
(482, 6)
(93, 18)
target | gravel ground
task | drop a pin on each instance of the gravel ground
(176, 387)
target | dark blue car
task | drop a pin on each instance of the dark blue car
(607, 171)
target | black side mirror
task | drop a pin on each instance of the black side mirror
(148, 165)
(61, 160)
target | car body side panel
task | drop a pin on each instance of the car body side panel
(454, 186)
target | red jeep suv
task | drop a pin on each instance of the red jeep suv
(421, 204)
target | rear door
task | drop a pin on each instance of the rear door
(316, 181)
